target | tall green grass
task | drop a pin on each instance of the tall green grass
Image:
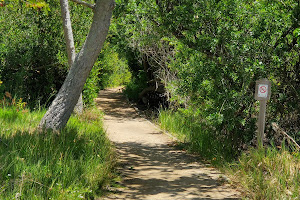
(196, 136)
(76, 163)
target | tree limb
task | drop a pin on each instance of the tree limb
(67, 26)
(276, 128)
(92, 6)
(284, 34)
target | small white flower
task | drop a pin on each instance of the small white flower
(9, 175)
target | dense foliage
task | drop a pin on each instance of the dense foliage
(115, 70)
(209, 54)
(33, 55)
(29, 47)
(33, 60)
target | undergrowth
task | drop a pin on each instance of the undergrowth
(76, 163)
(135, 86)
(195, 136)
(267, 174)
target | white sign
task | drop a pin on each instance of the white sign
(262, 90)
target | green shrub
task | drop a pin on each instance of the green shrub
(114, 70)
(136, 86)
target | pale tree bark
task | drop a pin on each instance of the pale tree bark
(61, 108)
(84, 4)
(67, 26)
(71, 52)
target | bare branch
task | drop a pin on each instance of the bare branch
(92, 6)
(277, 129)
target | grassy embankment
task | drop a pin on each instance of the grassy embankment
(76, 163)
(260, 173)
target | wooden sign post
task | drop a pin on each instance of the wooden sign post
(262, 93)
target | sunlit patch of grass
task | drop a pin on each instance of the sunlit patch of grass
(12, 120)
(196, 137)
(171, 122)
(91, 115)
(268, 174)
(76, 163)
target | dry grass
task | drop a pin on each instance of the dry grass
(268, 174)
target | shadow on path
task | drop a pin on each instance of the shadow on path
(150, 167)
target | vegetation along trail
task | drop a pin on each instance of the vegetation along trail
(151, 168)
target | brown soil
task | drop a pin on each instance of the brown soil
(151, 168)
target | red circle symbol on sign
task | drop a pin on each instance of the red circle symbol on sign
(263, 89)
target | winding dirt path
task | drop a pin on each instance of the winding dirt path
(151, 168)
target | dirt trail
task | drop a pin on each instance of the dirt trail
(151, 169)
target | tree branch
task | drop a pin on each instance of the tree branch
(92, 6)
(284, 34)
(279, 130)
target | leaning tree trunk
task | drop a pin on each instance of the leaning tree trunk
(61, 108)
(67, 26)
